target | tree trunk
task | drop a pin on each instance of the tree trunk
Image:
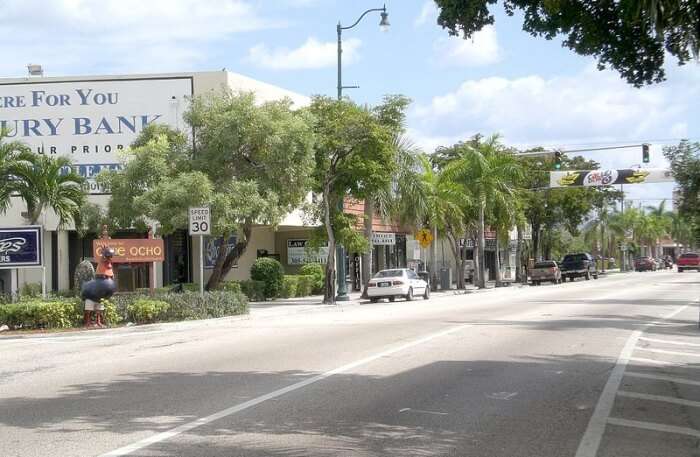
(498, 260)
(481, 248)
(329, 290)
(459, 263)
(535, 241)
(367, 256)
(226, 260)
(518, 256)
(433, 265)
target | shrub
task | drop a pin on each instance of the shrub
(30, 290)
(111, 314)
(318, 272)
(254, 290)
(40, 314)
(305, 286)
(269, 271)
(146, 310)
(230, 286)
(289, 286)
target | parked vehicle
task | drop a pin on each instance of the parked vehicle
(577, 265)
(668, 262)
(688, 261)
(645, 264)
(398, 282)
(547, 270)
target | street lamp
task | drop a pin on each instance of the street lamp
(340, 251)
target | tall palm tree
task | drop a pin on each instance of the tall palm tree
(13, 155)
(488, 172)
(50, 183)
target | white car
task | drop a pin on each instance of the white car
(398, 282)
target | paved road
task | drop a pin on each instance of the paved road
(606, 368)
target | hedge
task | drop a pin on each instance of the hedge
(297, 286)
(318, 272)
(139, 308)
(254, 290)
(269, 271)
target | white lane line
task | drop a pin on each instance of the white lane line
(658, 377)
(596, 426)
(436, 413)
(655, 362)
(664, 351)
(640, 396)
(679, 343)
(274, 394)
(654, 426)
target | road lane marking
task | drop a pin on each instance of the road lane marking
(664, 351)
(656, 362)
(654, 426)
(159, 437)
(437, 413)
(502, 395)
(596, 426)
(640, 396)
(658, 377)
(679, 343)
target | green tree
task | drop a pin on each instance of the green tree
(14, 155)
(631, 36)
(50, 183)
(353, 151)
(489, 172)
(685, 165)
(251, 164)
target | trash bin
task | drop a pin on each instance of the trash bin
(445, 278)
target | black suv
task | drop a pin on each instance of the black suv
(578, 265)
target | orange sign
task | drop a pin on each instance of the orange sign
(131, 250)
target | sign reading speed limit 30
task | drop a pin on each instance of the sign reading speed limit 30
(200, 221)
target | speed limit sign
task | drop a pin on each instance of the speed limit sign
(200, 221)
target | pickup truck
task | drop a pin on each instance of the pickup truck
(688, 261)
(578, 265)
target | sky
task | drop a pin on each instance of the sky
(531, 91)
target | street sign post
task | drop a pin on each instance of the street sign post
(200, 225)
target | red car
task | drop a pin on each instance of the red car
(688, 261)
(644, 264)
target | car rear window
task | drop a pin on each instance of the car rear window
(389, 274)
(544, 265)
(689, 255)
(575, 257)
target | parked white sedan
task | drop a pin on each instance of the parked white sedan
(399, 282)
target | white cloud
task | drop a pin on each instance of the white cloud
(428, 12)
(311, 54)
(591, 106)
(119, 35)
(479, 50)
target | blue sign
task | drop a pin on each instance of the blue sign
(212, 248)
(20, 247)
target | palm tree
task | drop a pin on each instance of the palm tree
(488, 172)
(50, 183)
(13, 155)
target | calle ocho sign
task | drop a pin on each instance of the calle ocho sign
(131, 250)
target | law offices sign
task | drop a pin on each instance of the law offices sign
(90, 121)
(20, 247)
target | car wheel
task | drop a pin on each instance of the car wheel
(595, 276)
(680, 270)
(409, 295)
(588, 275)
(571, 279)
(426, 294)
(374, 299)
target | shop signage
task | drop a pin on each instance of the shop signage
(299, 252)
(20, 247)
(590, 178)
(131, 250)
(212, 248)
(383, 239)
(90, 122)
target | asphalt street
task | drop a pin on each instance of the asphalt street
(592, 368)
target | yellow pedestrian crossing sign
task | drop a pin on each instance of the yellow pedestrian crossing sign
(424, 237)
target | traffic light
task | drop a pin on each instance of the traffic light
(645, 153)
(557, 160)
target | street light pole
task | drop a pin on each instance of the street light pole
(340, 250)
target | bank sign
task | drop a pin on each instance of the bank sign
(90, 122)
(20, 247)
